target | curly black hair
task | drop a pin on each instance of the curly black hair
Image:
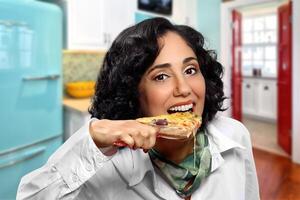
(132, 53)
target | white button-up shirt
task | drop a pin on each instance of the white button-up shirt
(79, 170)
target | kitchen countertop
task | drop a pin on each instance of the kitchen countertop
(80, 105)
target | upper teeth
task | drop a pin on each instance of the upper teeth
(182, 108)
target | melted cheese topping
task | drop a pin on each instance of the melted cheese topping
(184, 119)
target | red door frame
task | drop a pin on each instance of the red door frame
(236, 72)
(284, 80)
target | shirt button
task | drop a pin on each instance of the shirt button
(100, 158)
(88, 167)
(75, 178)
(99, 164)
(53, 168)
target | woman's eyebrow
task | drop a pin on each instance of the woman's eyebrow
(189, 59)
(164, 65)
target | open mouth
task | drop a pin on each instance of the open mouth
(182, 108)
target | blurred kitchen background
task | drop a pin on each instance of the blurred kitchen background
(51, 52)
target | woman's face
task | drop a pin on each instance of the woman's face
(174, 82)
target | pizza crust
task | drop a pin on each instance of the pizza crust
(180, 125)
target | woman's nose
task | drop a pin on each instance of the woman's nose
(182, 88)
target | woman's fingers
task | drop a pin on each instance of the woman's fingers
(144, 137)
(131, 132)
(149, 136)
(128, 140)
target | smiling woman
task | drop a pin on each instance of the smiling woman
(173, 80)
(153, 68)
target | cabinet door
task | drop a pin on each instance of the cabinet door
(267, 100)
(73, 121)
(248, 97)
(184, 12)
(117, 16)
(84, 27)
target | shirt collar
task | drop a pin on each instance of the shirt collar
(220, 140)
(134, 165)
(218, 143)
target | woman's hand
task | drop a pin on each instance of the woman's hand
(136, 135)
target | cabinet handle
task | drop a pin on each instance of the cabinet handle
(247, 86)
(266, 88)
(37, 78)
(21, 157)
(104, 38)
(11, 23)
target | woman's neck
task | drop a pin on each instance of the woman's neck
(175, 150)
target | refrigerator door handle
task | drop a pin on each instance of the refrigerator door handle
(21, 157)
(38, 78)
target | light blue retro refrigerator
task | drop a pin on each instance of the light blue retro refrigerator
(30, 88)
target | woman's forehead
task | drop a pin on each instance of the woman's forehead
(173, 48)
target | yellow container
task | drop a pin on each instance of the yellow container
(81, 89)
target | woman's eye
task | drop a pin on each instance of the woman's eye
(191, 70)
(160, 77)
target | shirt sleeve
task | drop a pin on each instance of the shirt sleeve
(251, 185)
(76, 161)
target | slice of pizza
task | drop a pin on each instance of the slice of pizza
(179, 125)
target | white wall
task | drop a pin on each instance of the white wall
(225, 58)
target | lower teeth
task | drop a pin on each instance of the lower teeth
(173, 111)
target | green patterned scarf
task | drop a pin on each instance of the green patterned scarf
(187, 176)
